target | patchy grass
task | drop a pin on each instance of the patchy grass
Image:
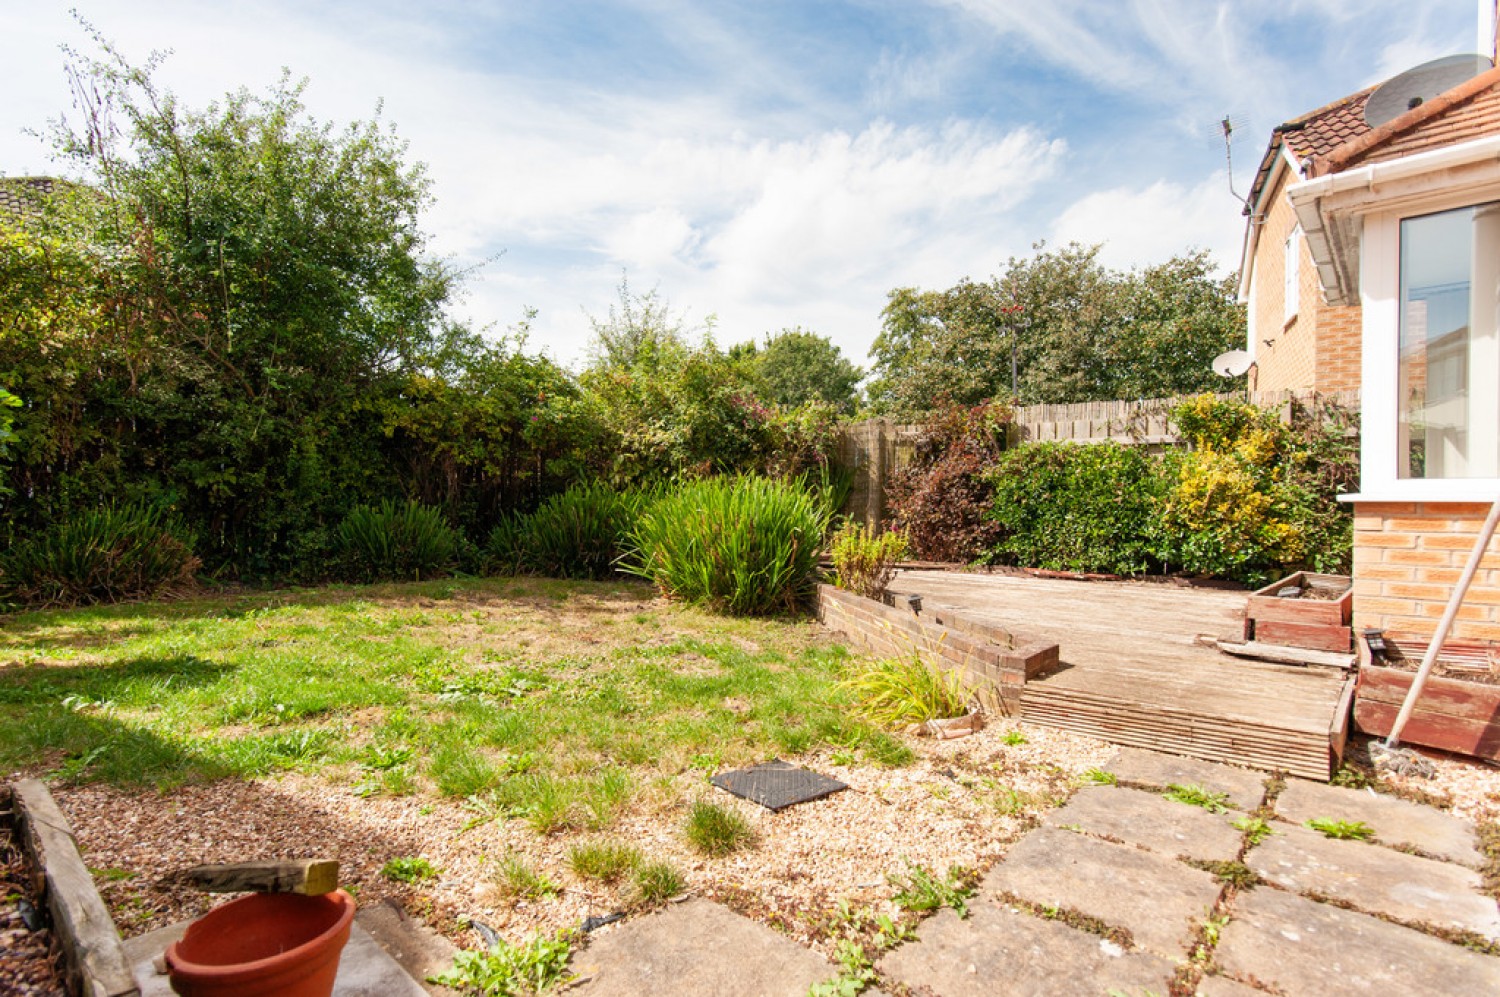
(605, 861)
(716, 830)
(453, 687)
(658, 882)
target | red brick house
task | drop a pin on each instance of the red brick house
(1389, 234)
(1300, 342)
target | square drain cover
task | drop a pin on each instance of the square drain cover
(777, 784)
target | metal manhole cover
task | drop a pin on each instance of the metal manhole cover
(777, 784)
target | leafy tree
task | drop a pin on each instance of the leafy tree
(795, 367)
(1057, 327)
(208, 323)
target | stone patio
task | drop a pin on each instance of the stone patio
(1121, 858)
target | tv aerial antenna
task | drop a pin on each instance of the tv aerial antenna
(1226, 125)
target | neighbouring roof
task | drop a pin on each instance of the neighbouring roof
(1469, 110)
(1315, 133)
(21, 196)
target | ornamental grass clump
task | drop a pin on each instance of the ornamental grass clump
(579, 533)
(895, 692)
(864, 562)
(405, 541)
(747, 546)
(101, 555)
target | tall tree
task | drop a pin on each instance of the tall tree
(794, 366)
(1057, 327)
(241, 282)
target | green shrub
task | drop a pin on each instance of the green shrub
(393, 541)
(907, 690)
(746, 546)
(863, 562)
(102, 555)
(942, 499)
(579, 533)
(503, 547)
(1072, 507)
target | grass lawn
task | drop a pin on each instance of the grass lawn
(525, 751)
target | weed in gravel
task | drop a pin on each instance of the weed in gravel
(658, 882)
(716, 830)
(409, 870)
(856, 972)
(1257, 829)
(1099, 777)
(605, 861)
(920, 890)
(1014, 737)
(1196, 796)
(1342, 830)
(516, 879)
(507, 970)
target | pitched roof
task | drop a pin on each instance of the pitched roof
(1467, 111)
(1316, 133)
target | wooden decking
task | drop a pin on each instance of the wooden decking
(1133, 672)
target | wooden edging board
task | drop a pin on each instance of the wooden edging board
(94, 958)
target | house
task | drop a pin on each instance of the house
(1375, 241)
(1299, 341)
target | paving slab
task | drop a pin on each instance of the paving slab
(1302, 947)
(1145, 819)
(1396, 821)
(998, 950)
(1376, 879)
(418, 949)
(1223, 986)
(1244, 788)
(1157, 899)
(365, 969)
(697, 947)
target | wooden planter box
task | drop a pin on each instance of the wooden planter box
(1451, 714)
(1316, 624)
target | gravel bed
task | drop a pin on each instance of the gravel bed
(962, 802)
(26, 968)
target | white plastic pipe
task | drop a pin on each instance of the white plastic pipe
(1446, 623)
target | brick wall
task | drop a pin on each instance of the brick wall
(1285, 352)
(1320, 348)
(1407, 558)
(994, 661)
(1339, 328)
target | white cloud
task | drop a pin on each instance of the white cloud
(1147, 225)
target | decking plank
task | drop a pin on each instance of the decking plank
(1134, 672)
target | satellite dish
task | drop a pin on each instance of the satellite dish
(1232, 364)
(1414, 87)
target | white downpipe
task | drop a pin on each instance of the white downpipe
(1445, 624)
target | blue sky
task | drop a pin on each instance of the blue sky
(772, 163)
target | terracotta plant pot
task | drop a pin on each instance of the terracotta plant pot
(265, 944)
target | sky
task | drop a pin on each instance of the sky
(767, 164)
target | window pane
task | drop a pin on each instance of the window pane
(1449, 373)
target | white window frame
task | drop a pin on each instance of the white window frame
(1380, 292)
